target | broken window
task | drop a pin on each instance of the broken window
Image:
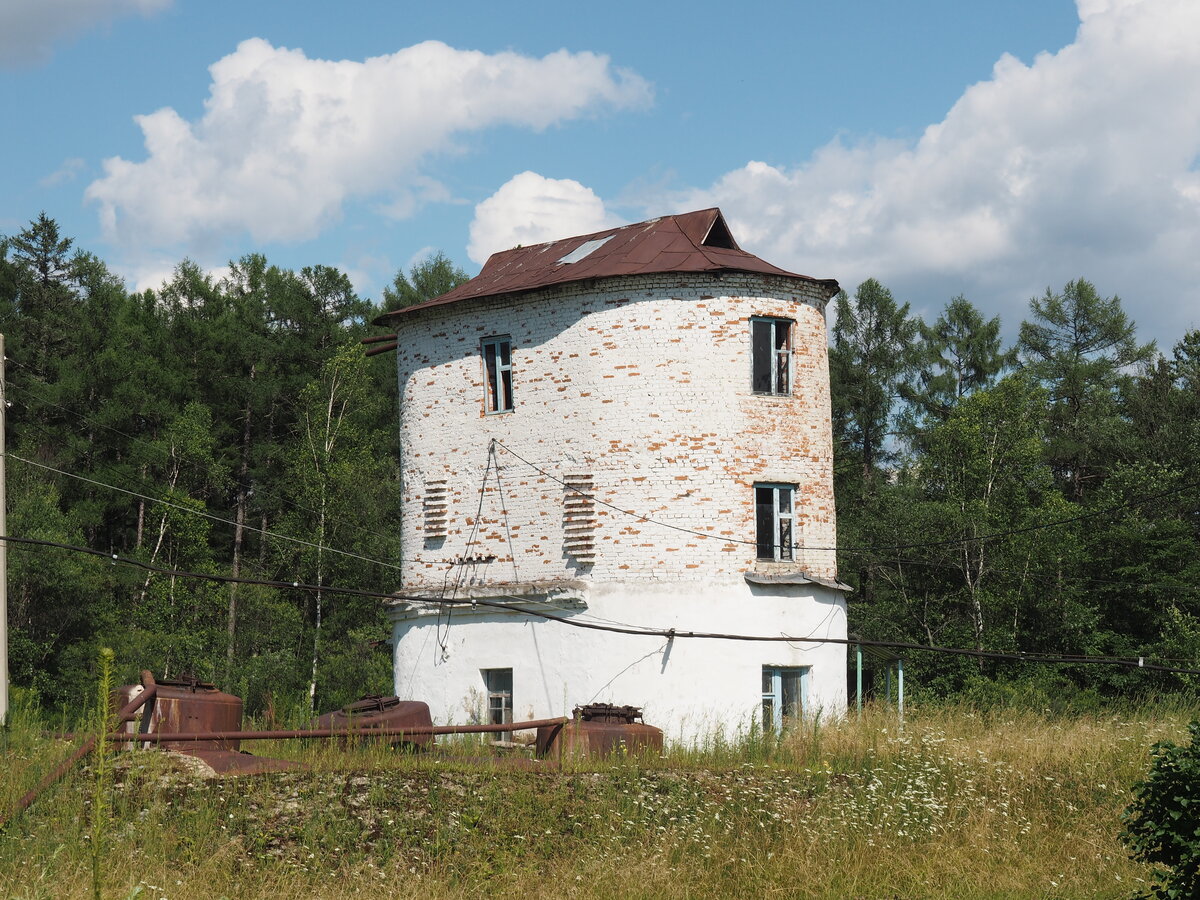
(773, 521)
(771, 349)
(499, 686)
(783, 695)
(497, 368)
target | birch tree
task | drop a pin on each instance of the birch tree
(341, 484)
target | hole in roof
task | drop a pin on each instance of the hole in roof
(585, 249)
(719, 236)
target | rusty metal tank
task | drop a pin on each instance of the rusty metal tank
(185, 704)
(600, 729)
(383, 712)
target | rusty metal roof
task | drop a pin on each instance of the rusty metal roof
(698, 241)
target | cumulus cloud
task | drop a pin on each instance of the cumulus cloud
(285, 140)
(29, 28)
(1082, 162)
(532, 209)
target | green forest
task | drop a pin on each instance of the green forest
(1041, 498)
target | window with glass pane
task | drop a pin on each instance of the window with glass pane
(783, 695)
(499, 686)
(497, 368)
(773, 519)
(771, 352)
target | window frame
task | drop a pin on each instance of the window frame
(780, 357)
(782, 550)
(499, 708)
(775, 696)
(496, 389)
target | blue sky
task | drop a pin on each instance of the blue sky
(992, 149)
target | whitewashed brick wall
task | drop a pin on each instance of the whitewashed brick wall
(641, 383)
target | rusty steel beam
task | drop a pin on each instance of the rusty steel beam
(163, 737)
(124, 714)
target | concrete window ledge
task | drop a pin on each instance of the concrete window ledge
(794, 576)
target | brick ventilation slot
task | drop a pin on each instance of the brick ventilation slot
(579, 518)
(434, 509)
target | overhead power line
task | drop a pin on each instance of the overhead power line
(163, 452)
(670, 633)
(203, 514)
(870, 549)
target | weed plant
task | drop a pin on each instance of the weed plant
(951, 803)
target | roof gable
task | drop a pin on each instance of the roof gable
(698, 241)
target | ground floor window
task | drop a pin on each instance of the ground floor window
(499, 686)
(783, 695)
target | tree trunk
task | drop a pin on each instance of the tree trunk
(312, 686)
(239, 532)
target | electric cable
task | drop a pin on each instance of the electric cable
(1013, 656)
(206, 515)
(462, 562)
(917, 546)
(161, 451)
(504, 509)
(1043, 576)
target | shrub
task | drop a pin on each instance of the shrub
(1162, 825)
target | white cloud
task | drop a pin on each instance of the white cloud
(153, 272)
(285, 140)
(1083, 162)
(29, 28)
(64, 173)
(419, 257)
(531, 209)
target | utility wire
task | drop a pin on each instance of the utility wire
(206, 515)
(928, 563)
(926, 544)
(162, 451)
(1138, 663)
(1042, 576)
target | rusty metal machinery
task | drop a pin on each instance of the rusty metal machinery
(599, 729)
(185, 704)
(384, 713)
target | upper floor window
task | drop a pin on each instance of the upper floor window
(497, 371)
(771, 350)
(773, 521)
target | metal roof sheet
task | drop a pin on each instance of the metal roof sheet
(698, 241)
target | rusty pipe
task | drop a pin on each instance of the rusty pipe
(124, 714)
(378, 339)
(164, 737)
(383, 348)
(147, 680)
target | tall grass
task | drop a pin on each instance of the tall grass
(953, 803)
(102, 773)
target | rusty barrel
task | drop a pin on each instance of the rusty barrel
(384, 712)
(600, 729)
(185, 705)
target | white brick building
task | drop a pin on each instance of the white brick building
(660, 403)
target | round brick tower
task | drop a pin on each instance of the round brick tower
(631, 428)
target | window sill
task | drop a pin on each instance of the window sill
(769, 573)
